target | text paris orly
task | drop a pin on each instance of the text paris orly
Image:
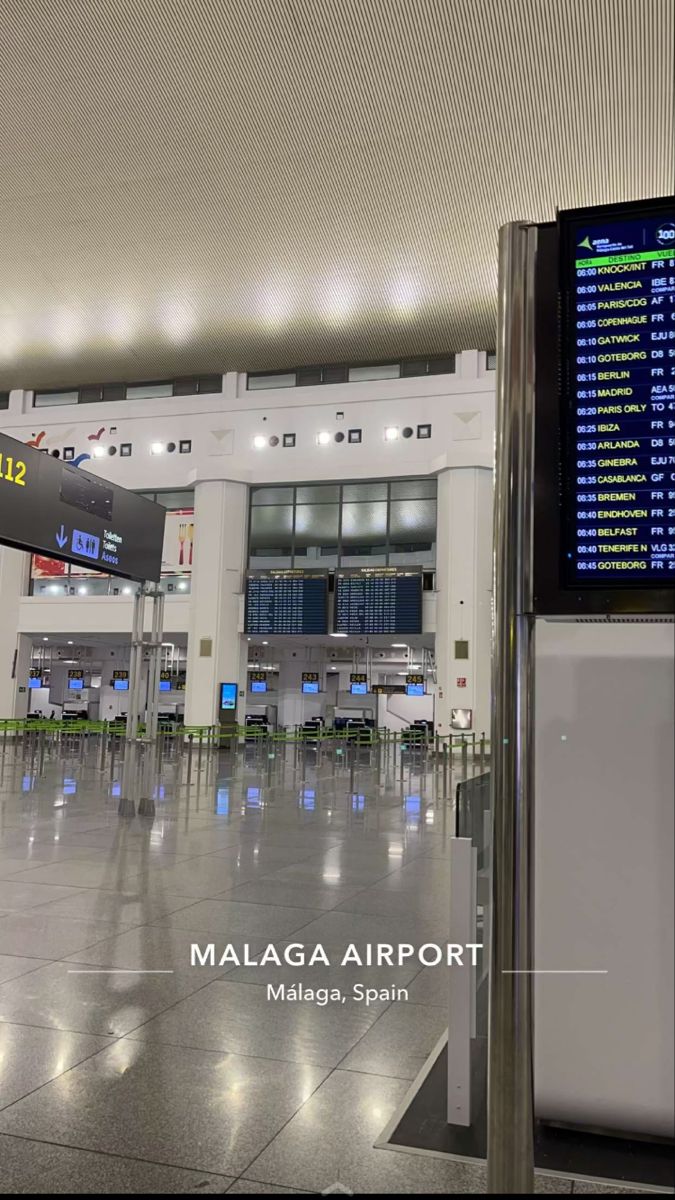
(372, 954)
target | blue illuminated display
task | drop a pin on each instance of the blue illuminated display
(359, 689)
(414, 689)
(86, 544)
(121, 685)
(287, 601)
(378, 600)
(618, 336)
(228, 697)
(258, 685)
(76, 685)
(310, 687)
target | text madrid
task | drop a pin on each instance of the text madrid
(297, 954)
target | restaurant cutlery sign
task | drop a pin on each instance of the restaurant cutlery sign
(48, 507)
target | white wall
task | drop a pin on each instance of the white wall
(464, 595)
(460, 408)
(605, 753)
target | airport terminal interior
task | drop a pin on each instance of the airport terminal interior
(336, 694)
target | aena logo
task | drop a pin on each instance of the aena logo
(665, 235)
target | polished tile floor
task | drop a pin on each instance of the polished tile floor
(125, 1069)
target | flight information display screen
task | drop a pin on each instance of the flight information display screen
(287, 601)
(378, 600)
(618, 403)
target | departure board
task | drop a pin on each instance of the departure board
(286, 601)
(618, 403)
(378, 600)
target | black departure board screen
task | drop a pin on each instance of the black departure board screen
(286, 601)
(617, 284)
(378, 600)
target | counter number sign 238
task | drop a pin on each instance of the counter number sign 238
(13, 470)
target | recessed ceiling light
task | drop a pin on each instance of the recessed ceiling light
(157, 448)
(323, 438)
(100, 451)
(399, 645)
(259, 441)
(391, 433)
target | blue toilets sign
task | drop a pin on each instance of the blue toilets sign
(48, 507)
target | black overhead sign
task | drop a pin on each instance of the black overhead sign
(48, 507)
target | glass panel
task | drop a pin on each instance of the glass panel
(412, 521)
(210, 384)
(335, 374)
(374, 371)
(178, 585)
(309, 376)
(271, 495)
(93, 585)
(365, 491)
(364, 528)
(442, 366)
(319, 493)
(176, 500)
(410, 489)
(271, 529)
(316, 534)
(49, 587)
(412, 533)
(414, 367)
(147, 391)
(256, 383)
(45, 399)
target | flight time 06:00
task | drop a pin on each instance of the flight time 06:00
(14, 471)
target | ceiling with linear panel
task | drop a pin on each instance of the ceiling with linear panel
(207, 185)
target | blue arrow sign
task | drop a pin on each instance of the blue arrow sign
(61, 537)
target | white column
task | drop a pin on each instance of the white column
(215, 650)
(13, 674)
(464, 594)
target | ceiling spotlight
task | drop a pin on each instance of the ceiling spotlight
(182, 586)
(157, 448)
(126, 591)
(338, 635)
(391, 433)
(323, 438)
(100, 451)
(399, 645)
(70, 643)
(45, 639)
(82, 591)
(259, 441)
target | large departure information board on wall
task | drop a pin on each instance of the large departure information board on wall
(286, 601)
(378, 600)
(617, 280)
